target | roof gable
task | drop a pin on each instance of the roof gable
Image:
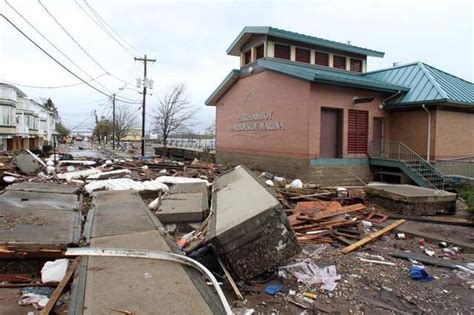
(427, 85)
(248, 31)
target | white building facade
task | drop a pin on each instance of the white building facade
(24, 122)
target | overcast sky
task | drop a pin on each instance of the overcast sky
(189, 40)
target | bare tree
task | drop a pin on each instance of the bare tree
(125, 120)
(175, 113)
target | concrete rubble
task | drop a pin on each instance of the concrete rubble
(276, 244)
(181, 203)
(249, 229)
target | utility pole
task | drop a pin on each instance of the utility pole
(113, 123)
(145, 84)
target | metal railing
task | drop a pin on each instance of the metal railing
(398, 151)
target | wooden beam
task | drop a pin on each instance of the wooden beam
(334, 212)
(372, 236)
(59, 289)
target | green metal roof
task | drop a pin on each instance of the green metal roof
(326, 75)
(248, 31)
(307, 72)
(427, 85)
(229, 80)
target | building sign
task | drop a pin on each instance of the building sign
(259, 121)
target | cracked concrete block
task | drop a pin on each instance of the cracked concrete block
(249, 230)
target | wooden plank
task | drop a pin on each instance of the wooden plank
(59, 289)
(334, 212)
(372, 236)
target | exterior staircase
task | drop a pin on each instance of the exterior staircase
(397, 154)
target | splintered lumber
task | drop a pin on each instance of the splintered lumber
(372, 236)
(334, 212)
(60, 288)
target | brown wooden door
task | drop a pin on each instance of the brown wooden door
(378, 129)
(329, 143)
(378, 137)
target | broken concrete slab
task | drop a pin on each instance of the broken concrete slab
(78, 174)
(461, 236)
(249, 229)
(184, 203)
(103, 284)
(110, 174)
(28, 162)
(45, 187)
(36, 228)
(135, 284)
(411, 200)
(12, 199)
(113, 215)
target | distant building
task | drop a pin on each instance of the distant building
(24, 122)
(306, 107)
(133, 135)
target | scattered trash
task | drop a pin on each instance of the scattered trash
(443, 244)
(125, 184)
(54, 271)
(296, 184)
(9, 179)
(310, 295)
(401, 236)
(419, 273)
(429, 252)
(273, 288)
(341, 192)
(37, 300)
(269, 183)
(110, 174)
(78, 174)
(310, 274)
(70, 168)
(50, 170)
(422, 242)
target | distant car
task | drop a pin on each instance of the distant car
(78, 139)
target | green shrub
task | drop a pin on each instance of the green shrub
(468, 196)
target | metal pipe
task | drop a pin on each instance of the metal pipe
(148, 254)
(382, 105)
(428, 146)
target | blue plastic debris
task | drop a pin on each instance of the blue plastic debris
(419, 273)
(273, 288)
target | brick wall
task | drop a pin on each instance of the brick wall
(454, 134)
(411, 128)
(464, 168)
(291, 168)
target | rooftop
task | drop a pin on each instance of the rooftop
(427, 85)
(248, 31)
(308, 72)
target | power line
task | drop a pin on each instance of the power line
(52, 44)
(77, 43)
(57, 61)
(106, 31)
(109, 27)
(50, 87)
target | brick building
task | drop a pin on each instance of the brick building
(306, 107)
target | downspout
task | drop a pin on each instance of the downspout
(428, 146)
(388, 98)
